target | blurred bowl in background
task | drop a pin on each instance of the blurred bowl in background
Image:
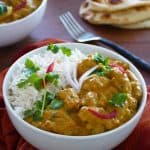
(15, 31)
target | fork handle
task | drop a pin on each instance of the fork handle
(126, 53)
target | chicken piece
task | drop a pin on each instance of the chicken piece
(89, 99)
(70, 98)
(96, 91)
(57, 121)
(95, 83)
(85, 65)
(94, 124)
(120, 81)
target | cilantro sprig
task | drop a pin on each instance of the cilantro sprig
(48, 100)
(103, 71)
(33, 79)
(29, 64)
(118, 99)
(40, 82)
(100, 59)
(104, 61)
(55, 49)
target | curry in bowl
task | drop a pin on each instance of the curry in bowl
(66, 92)
(12, 10)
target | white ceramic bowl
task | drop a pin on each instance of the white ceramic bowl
(50, 141)
(15, 31)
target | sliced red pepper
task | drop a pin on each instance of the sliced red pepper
(22, 4)
(110, 115)
(50, 68)
(119, 67)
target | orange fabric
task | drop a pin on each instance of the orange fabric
(11, 140)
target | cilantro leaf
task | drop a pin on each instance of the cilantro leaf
(31, 66)
(22, 83)
(37, 115)
(103, 71)
(33, 79)
(52, 78)
(28, 113)
(38, 104)
(50, 96)
(118, 99)
(36, 81)
(66, 51)
(35, 112)
(53, 48)
(3, 8)
(100, 59)
(56, 104)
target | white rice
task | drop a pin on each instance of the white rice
(24, 98)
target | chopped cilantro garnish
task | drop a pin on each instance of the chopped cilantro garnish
(50, 96)
(33, 79)
(103, 71)
(3, 8)
(56, 104)
(104, 61)
(54, 48)
(100, 59)
(40, 82)
(34, 113)
(28, 113)
(37, 115)
(38, 104)
(31, 66)
(66, 51)
(52, 78)
(118, 99)
(37, 111)
(37, 81)
(22, 83)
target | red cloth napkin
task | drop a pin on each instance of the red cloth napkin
(11, 140)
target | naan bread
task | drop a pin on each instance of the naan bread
(115, 5)
(121, 17)
(140, 25)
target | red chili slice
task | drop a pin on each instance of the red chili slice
(120, 68)
(50, 68)
(22, 4)
(110, 115)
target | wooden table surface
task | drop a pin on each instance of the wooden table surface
(137, 41)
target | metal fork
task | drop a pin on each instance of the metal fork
(79, 34)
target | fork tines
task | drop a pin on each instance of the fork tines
(72, 26)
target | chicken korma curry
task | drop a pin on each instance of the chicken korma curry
(11, 10)
(79, 95)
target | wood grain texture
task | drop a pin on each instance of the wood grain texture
(137, 41)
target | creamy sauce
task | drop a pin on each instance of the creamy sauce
(89, 111)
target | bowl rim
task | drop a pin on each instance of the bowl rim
(24, 18)
(47, 133)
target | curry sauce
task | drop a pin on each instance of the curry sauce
(108, 98)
